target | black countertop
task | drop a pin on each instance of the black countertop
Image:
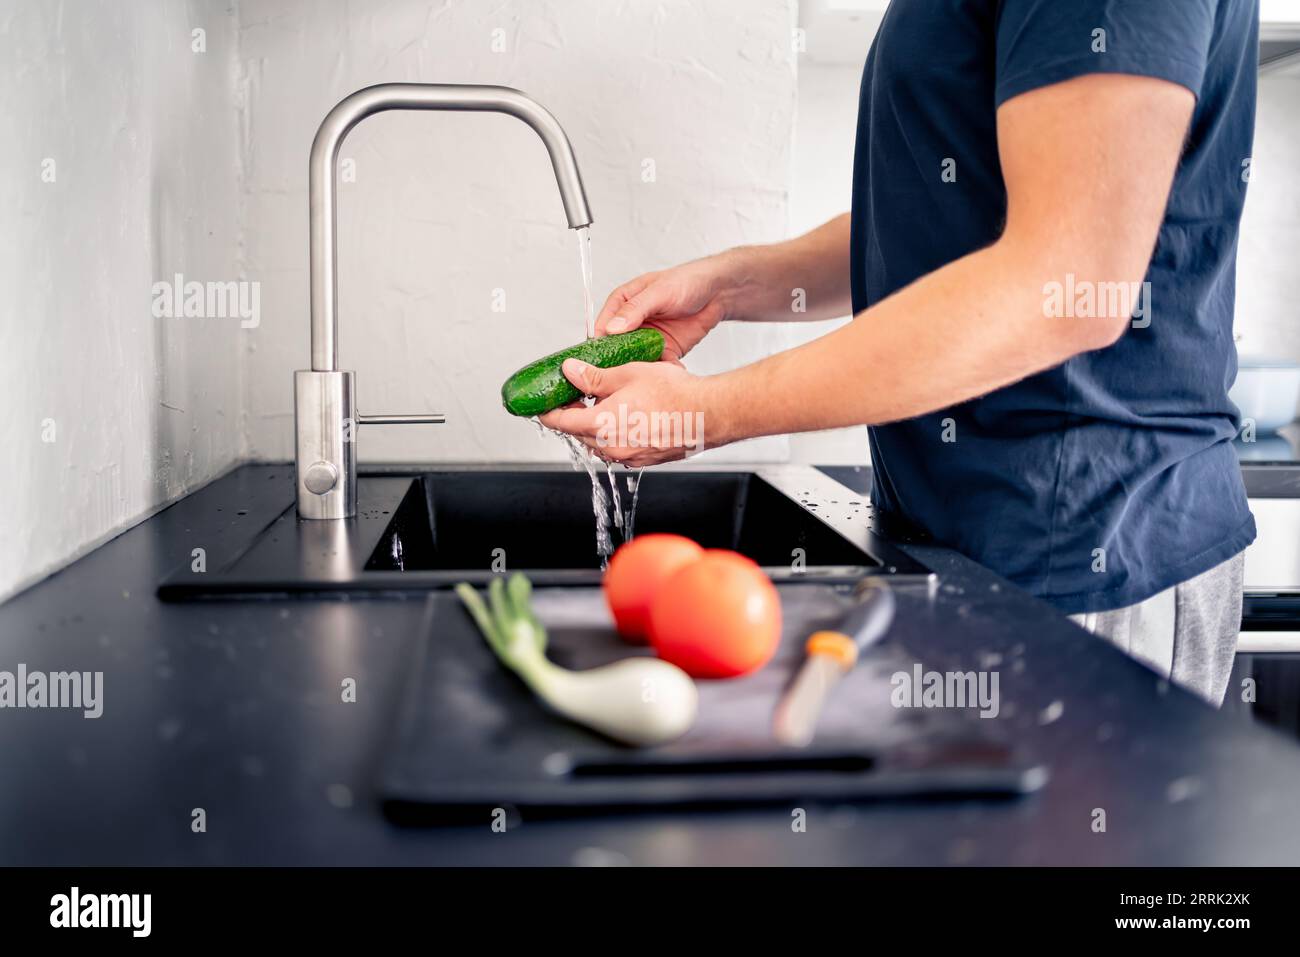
(1263, 479)
(235, 707)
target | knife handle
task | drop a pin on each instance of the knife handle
(834, 645)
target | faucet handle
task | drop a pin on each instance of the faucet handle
(422, 418)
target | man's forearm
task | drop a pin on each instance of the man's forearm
(962, 331)
(804, 278)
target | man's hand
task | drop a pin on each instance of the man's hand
(647, 413)
(683, 303)
(751, 283)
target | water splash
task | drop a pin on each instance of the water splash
(633, 486)
(607, 507)
(582, 460)
(614, 496)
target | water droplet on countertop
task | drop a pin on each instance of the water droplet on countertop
(598, 857)
(1183, 789)
(557, 763)
(1052, 712)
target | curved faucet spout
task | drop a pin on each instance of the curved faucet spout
(410, 96)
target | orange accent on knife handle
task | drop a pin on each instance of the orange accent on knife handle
(834, 645)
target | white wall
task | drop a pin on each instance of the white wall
(169, 160)
(141, 135)
(1268, 282)
(447, 208)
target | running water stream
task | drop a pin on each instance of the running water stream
(584, 265)
(606, 507)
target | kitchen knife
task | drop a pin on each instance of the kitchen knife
(830, 656)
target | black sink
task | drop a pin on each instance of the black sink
(429, 530)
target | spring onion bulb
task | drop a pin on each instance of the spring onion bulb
(636, 701)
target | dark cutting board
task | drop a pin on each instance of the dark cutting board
(470, 735)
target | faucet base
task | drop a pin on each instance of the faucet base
(325, 421)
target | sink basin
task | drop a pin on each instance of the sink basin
(420, 530)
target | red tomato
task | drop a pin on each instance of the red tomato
(717, 617)
(635, 573)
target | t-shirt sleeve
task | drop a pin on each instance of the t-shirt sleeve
(1041, 42)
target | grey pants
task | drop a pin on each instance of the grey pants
(1187, 633)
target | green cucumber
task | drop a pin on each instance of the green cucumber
(541, 386)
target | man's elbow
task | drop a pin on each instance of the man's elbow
(1090, 285)
(1090, 310)
(1100, 332)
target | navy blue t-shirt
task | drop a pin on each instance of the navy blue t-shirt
(1110, 478)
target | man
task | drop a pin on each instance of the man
(1040, 262)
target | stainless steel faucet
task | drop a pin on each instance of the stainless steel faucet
(324, 397)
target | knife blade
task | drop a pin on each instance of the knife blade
(830, 656)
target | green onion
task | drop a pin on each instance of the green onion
(637, 701)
